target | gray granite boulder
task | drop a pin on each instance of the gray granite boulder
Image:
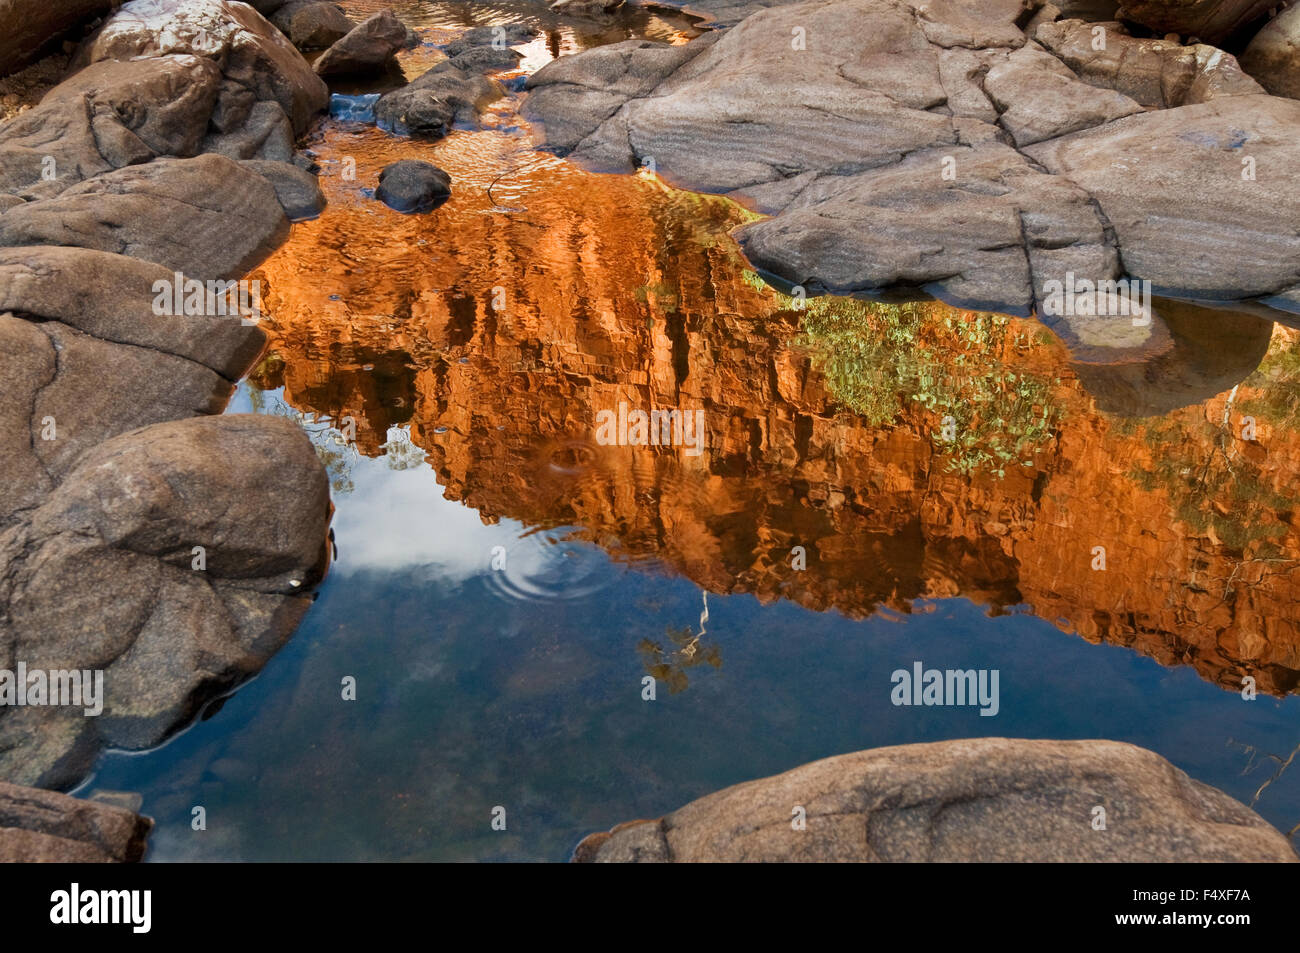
(103, 575)
(208, 217)
(976, 800)
(1174, 188)
(310, 25)
(369, 48)
(257, 62)
(947, 152)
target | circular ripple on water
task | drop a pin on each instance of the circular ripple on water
(550, 566)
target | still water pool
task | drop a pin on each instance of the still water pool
(1108, 525)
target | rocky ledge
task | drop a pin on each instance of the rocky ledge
(44, 827)
(970, 149)
(986, 799)
(143, 535)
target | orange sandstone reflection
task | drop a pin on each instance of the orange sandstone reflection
(825, 426)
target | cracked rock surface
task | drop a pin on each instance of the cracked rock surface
(971, 800)
(143, 534)
(947, 150)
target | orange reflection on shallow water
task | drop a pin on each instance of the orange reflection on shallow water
(497, 327)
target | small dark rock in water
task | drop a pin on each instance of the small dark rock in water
(486, 59)
(413, 185)
(507, 34)
(586, 8)
(427, 106)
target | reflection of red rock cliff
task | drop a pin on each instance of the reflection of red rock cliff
(615, 291)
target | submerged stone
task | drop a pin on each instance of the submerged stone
(412, 185)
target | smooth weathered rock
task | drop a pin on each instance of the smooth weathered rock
(1153, 176)
(115, 481)
(1213, 21)
(984, 239)
(103, 575)
(297, 189)
(886, 159)
(1273, 56)
(27, 364)
(585, 8)
(486, 59)
(109, 115)
(96, 389)
(975, 800)
(503, 36)
(207, 217)
(94, 358)
(412, 185)
(45, 827)
(1153, 72)
(27, 26)
(431, 103)
(572, 96)
(161, 78)
(115, 298)
(257, 62)
(259, 516)
(748, 109)
(369, 48)
(311, 25)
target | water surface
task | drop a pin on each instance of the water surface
(505, 582)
